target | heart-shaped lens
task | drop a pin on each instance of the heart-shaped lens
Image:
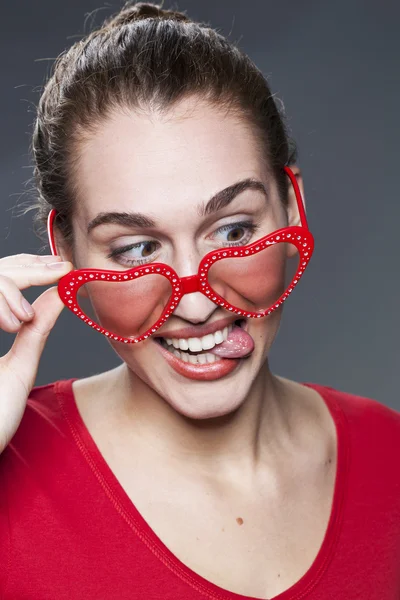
(254, 279)
(127, 306)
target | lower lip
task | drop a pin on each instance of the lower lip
(207, 372)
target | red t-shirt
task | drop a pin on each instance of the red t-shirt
(69, 531)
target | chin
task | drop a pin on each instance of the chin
(211, 392)
(199, 406)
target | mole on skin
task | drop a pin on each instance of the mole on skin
(239, 520)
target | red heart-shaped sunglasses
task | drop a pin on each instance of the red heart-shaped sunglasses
(299, 236)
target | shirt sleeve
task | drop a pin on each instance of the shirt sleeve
(4, 532)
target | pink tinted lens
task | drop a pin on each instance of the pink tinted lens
(125, 308)
(254, 282)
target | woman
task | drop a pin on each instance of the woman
(190, 470)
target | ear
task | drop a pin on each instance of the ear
(292, 206)
(65, 252)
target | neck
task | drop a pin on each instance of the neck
(251, 435)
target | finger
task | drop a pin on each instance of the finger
(25, 258)
(35, 273)
(17, 304)
(7, 323)
(28, 346)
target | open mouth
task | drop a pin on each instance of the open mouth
(198, 351)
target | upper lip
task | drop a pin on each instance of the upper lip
(197, 331)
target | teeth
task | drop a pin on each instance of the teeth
(195, 344)
(207, 342)
(198, 359)
(219, 337)
(178, 346)
(183, 344)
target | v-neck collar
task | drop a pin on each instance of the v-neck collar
(125, 507)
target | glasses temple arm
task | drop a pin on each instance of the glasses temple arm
(300, 203)
(50, 231)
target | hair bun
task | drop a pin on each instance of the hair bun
(132, 11)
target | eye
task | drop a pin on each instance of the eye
(143, 252)
(238, 234)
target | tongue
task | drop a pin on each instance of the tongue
(238, 344)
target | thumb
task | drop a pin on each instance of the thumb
(29, 343)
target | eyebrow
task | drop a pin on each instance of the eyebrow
(216, 203)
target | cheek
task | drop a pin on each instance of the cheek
(127, 308)
(256, 282)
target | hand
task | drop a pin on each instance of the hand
(18, 368)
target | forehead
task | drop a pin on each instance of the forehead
(149, 161)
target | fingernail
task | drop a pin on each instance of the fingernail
(49, 257)
(57, 265)
(27, 307)
(15, 320)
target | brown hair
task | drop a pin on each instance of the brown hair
(144, 57)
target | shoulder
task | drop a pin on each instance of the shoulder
(44, 417)
(45, 399)
(369, 421)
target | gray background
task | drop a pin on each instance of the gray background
(335, 67)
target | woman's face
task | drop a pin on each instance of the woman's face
(167, 167)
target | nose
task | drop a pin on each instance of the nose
(195, 307)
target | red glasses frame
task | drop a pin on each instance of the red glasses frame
(300, 236)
